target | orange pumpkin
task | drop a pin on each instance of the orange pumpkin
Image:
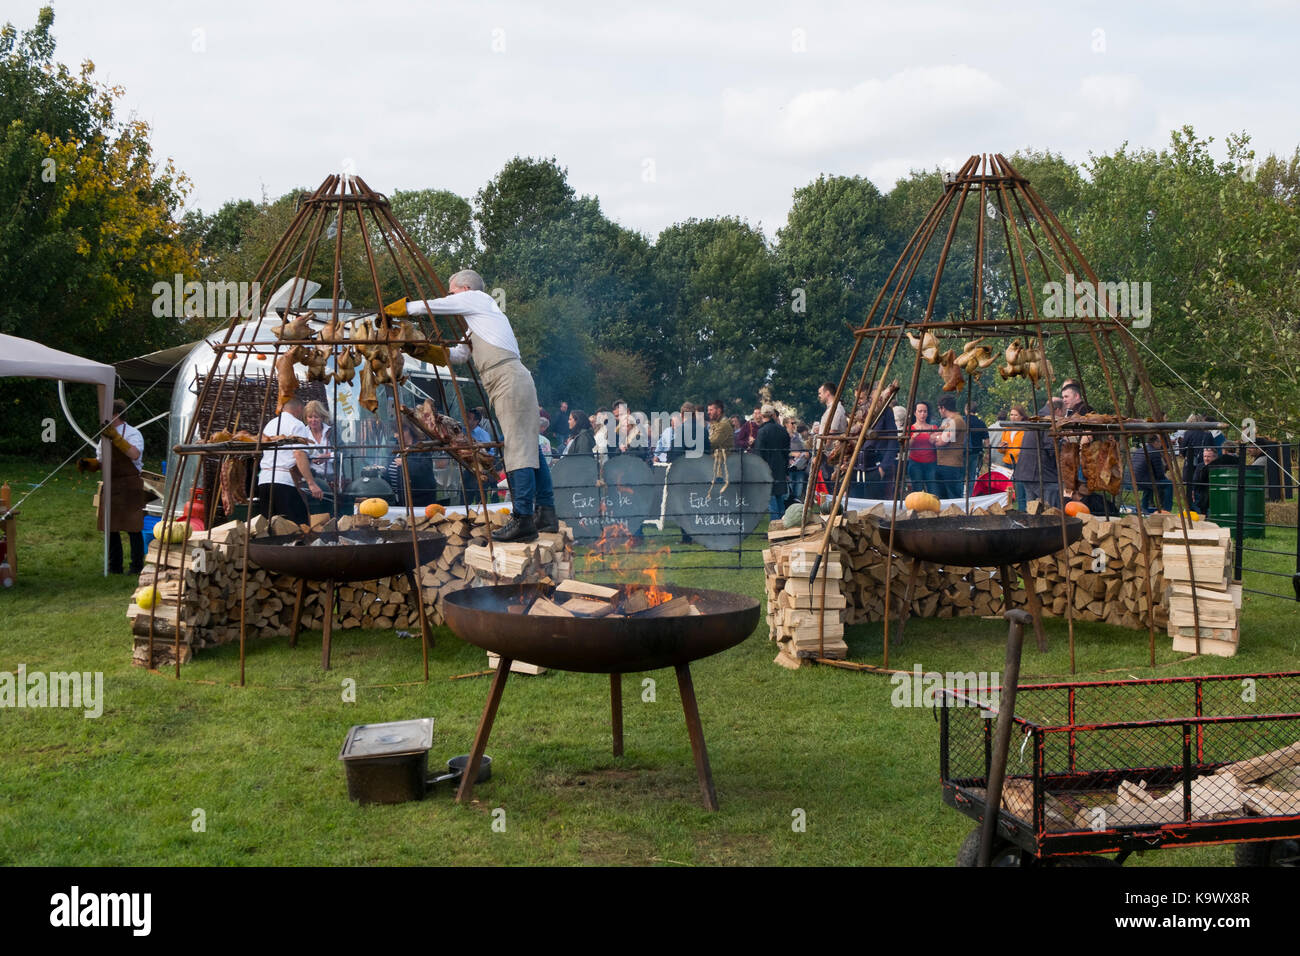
(1073, 508)
(432, 511)
(921, 501)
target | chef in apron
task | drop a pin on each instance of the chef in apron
(512, 393)
(126, 510)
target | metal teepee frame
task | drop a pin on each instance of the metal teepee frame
(342, 206)
(1017, 245)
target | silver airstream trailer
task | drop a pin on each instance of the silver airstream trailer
(360, 442)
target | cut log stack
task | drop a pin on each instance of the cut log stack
(1102, 577)
(199, 584)
(795, 619)
(1208, 553)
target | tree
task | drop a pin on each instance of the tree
(524, 196)
(86, 216)
(832, 256)
(721, 328)
(441, 224)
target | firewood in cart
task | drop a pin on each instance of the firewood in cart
(1257, 768)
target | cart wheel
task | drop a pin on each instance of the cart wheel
(1267, 853)
(1005, 853)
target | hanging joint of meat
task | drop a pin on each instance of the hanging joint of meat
(286, 378)
(1028, 362)
(1102, 470)
(1068, 466)
(234, 483)
(368, 397)
(345, 366)
(445, 431)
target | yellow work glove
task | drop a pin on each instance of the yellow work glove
(434, 355)
(396, 309)
(87, 464)
(120, 443)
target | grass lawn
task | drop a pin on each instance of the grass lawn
(260, 761)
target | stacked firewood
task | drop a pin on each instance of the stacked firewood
(1214, 601)
(200, 583)
(795, 619)
(1102, 577)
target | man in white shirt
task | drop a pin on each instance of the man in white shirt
(833, 422)
(513, 395)
(277, 488)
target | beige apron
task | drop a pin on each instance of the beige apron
(513, 396)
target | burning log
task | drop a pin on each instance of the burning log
(574, 586)
(587, 607)
(677, 607)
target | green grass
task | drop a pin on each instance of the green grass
(260, 761)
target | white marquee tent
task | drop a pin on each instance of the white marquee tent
(21, 358)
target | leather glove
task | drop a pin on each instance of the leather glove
(396, 309)
(88, 464)
(120, 443)
(434, 354)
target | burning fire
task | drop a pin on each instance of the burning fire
(616, 551)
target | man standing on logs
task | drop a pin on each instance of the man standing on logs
(512, 393)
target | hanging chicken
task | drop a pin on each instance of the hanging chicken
(1025, 361)
(928, 344)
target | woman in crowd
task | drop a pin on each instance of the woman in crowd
(921, 460)
(321, 454)
(1011, 439)
(582, 440)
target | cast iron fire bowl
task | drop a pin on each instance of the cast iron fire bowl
(370, 556)
(981, 541)
(599, 645)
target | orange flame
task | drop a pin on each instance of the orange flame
(615, 551)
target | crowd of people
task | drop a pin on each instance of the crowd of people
(949, 451)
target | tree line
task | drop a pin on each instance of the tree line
(707, 308)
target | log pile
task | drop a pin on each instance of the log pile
(1102, 577)
(200, 583)
(794, 616)
(1208, 553)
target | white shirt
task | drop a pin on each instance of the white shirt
(485, 320)
(834, 421)
(135, 440)
(277, 462)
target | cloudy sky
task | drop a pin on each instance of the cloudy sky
(669, 110)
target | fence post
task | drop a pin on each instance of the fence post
(1295, 578)
(1240, 533)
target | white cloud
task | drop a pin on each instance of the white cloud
(819, 121)
(1110, 91)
